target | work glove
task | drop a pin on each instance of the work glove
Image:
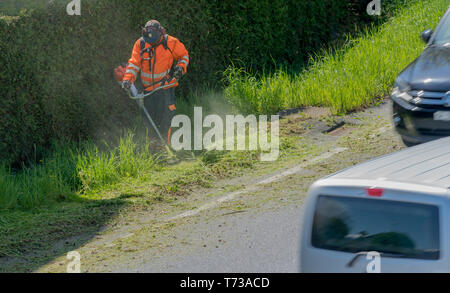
(178, 72)
(126, 84)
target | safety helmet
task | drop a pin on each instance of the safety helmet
(153, 32)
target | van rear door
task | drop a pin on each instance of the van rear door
(344, 229)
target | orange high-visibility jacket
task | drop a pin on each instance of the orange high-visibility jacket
(160, 64)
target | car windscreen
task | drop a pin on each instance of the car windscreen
(392, 228)
(443, 34)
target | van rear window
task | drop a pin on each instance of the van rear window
(393, 228)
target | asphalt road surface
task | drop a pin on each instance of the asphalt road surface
(249, 243)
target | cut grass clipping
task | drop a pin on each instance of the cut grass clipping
(343, 79)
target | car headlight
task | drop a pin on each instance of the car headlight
(401, 89)
(402, 85)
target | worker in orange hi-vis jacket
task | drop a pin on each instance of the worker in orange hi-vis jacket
(161, 60)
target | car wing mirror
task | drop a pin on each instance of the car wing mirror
(426, 35)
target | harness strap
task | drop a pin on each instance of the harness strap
(150, 51)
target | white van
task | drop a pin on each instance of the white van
(396, 207)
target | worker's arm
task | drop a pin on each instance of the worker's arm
(134, 63)
(180, 54)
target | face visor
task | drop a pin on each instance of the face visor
(152, 34)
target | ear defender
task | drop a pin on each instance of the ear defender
(163, 31)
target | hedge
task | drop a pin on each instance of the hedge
(56, 70)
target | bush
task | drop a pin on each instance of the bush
(56, 78)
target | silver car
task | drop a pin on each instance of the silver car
(390, 214)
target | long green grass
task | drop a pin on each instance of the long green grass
(97, 169)
(73, 169)
(344, 79)
(53, 180)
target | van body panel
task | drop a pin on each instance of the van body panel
(423, 164)
(419, 175)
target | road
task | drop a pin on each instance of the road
(239, 243)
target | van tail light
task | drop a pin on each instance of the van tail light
(376, 192)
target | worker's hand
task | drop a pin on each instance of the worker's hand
(126, 84)
(178, 72)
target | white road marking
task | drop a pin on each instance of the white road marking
(254, 186)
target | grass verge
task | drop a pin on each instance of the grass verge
(344, 79)
(78, 189)
(70, 169)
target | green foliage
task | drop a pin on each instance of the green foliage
(97, 168)
(13, 7)
(52, 181)
(56, 78)
(344, 79)
(251, 94)
(68, 169)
